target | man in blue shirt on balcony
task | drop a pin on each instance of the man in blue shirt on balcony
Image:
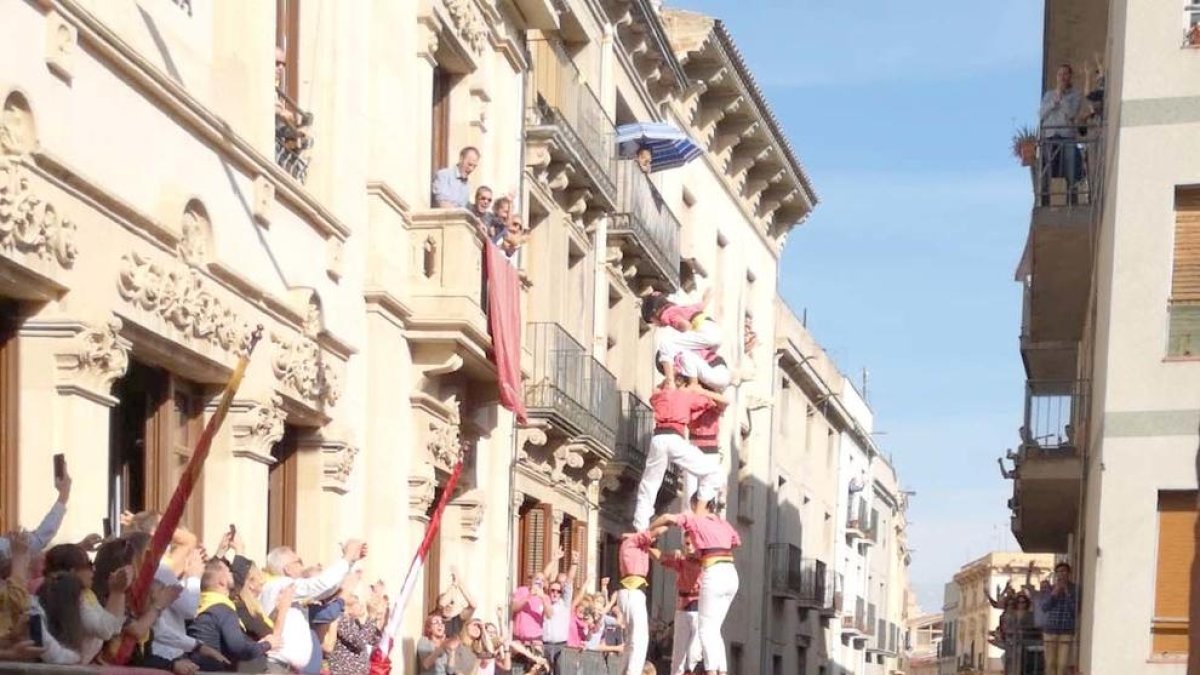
(1058, 630)
(450, 189)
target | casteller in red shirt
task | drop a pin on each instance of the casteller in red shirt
(674, 409)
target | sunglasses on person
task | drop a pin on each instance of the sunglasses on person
(556, 589)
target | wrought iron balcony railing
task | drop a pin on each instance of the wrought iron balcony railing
(1068, 171)
(564, 104)
(787, 570)
(817, 585)
(571, 388)
(644, 221)
(1055, 416)
(634, 431)
(293, 136)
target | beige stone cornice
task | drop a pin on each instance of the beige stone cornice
(195, 116)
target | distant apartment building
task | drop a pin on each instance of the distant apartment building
(975, 618)
(841, 530)
(947, 655)
(925, 643)
(1104, 466)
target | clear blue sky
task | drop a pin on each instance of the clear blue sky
(902, 113)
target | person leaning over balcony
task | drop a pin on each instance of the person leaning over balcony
(481, 208)
(715, 539)
(450, 189)
(645, 159)
(497, 221)
(1058, 633)
(1058, 115)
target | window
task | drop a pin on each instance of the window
(1191, 31)
(282, 486)
(1184, 307)
(9, 411)
(1176, 548)
(432, 571)
(776, 664)
(443, 84)
(573, 535)
(153, 430)
(287, 38)
(536, 535)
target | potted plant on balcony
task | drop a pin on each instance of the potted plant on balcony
(1024, 145)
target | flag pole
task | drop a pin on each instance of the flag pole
(418, 562)
(171, 516)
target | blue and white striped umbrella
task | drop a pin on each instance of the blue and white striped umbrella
(669, 146)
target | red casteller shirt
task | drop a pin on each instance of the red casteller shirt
(676, 408)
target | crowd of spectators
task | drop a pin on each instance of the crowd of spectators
(1037, 624)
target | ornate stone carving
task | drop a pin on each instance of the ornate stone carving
(180, 296)
(61, 39)
(427, 38)
(314, 322)
(259, 428)
(337, 460)
(421, 490)
(18, 130)
(529, 436)
(300, 365)
(565, 455)
(468, 23)
(195, 228)
(595, 473)
(335, 254)
(264, 200)
(97, 357)
(28, 224)
(445, 445)
(610, 482)
(471, 510)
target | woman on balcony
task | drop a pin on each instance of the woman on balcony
(714, 539)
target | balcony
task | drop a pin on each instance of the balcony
(571, 390)
(568, 129)
(787, 571)
(817, 586)
(293, 136)
(1049, 465)
(446, 287)
(857, 523)
(645, 228)
(1068, 178)
(854, 626)
(837, 596)
(634, 430)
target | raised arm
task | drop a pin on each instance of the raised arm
(551, 569)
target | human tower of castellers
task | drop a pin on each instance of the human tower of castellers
(687, 407)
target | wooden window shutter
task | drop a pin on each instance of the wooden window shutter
(536, 538)
(1185, 276)
(1176, 548)
(579, 544)
(287, 36)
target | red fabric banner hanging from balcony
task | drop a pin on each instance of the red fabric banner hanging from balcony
(504, 323)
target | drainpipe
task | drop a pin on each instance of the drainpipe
(513, 575)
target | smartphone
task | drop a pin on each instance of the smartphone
(35, 629)
(232, 530)
(108, 533)
(60, 467)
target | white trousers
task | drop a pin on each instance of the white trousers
(637, 628)
(718, 586)
(685, 650)
(666, 448)
(718, 378)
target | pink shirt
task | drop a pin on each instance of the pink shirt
(709, 531)
(527, 623)
(702, 431)
(577, 635)
(676, 408)
(634, 554)
(687, 574)
(680, 314)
